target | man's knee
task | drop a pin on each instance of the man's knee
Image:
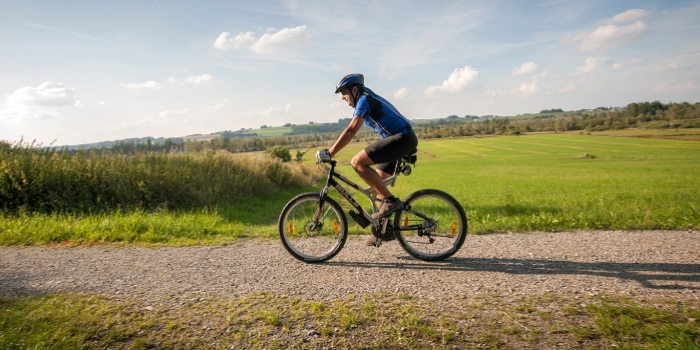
(360, 161)
(356, 163)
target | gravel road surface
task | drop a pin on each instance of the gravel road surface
(639, 264)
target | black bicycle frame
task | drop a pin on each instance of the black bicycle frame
(331, 181)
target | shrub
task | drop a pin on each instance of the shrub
(280, 152)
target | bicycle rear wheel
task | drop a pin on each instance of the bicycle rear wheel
(311, 233)
(432, 227)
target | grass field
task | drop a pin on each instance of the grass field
(670, 134)
(539, 182)
(564, 181)
(273, 130)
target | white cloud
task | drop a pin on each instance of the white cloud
(216, 107)
(201, 79)
(620, 64)
(525, 68)
(287, 37)
(629, 16)
(610, 35)
(614, 34)
(48, 94)
(224, 42)
(195, 80)
(666, 67)
(154, 85)
(458, 80)
(267, 43)
(47, 101)
(401, 93)
(150, 85)
(529, 88)
(590, 64)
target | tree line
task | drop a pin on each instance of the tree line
(636, 115)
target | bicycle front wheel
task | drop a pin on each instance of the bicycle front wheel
(432, 226)
(311, 232)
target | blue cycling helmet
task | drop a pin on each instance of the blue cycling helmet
(350, 80)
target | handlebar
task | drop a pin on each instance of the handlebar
(330, 161)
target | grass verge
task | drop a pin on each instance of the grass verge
(268, 321)
(252, 217)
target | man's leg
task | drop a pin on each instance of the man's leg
(362, 165)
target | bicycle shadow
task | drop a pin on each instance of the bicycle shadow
(668, 276)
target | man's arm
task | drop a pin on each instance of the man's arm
(346, 135)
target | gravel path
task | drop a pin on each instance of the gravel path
(640, 264)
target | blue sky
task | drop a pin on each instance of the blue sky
(74, 72)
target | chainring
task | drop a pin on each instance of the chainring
(388, 235)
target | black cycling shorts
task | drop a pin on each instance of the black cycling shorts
(385, 152)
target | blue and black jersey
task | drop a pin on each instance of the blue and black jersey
(381, 115)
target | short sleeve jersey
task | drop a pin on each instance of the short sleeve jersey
(381, 115)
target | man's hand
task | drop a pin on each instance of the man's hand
(323, 156)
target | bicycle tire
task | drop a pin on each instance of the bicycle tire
(436, 238)
(306, 240)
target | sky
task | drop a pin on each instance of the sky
(75, 72)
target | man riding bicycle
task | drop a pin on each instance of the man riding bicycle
(397, 139)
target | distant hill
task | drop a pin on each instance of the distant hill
(315, 128)
(134, 140)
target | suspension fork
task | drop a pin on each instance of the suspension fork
(323, 193)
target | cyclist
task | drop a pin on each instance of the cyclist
(397, 139)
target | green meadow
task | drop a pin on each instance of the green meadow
(553, 182)
(535, 182)
(565, 182)
(273, 130)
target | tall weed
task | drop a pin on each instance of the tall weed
(48, 180)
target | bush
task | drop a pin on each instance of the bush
(281, 152)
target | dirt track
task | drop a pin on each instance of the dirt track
(640, 264)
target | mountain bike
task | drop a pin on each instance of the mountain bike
(432, 225)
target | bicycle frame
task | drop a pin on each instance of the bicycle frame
(367, 192)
